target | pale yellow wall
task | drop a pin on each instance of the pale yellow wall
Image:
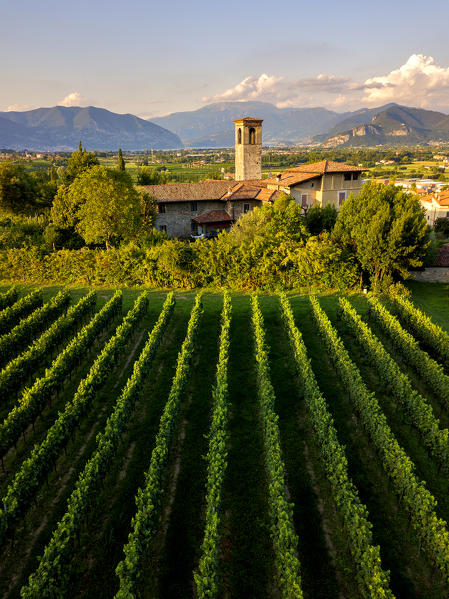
(325, 190)
(434, 211)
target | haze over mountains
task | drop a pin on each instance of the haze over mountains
(60, 128)
(211, 126)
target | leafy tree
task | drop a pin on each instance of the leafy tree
(44, 190)
(79, 161)
(441, 225)
(386, 229)
(102, 205)
(17, 188)
(121, 162)
(148, 204)
(149, 176)
(282, 221)
(321, 219)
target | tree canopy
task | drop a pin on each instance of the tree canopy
(79, 162)
(386, 230)
(120, 161)
(17, 188)
(101, 204)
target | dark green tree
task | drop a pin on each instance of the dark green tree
(17, 188)
(101, 205)
(79, 161)
(121, 162)
(386, 230)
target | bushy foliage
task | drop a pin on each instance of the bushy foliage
(17, 188)
(321, 219)
(77, 164)
(441, 225)
(386, 230)
(101, 205)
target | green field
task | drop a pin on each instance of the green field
(246, 564)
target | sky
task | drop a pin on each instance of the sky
(152, 58)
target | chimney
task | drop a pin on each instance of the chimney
(278, 178)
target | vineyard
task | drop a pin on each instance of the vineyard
(216, 445)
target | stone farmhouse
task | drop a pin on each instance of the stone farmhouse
(194, 208)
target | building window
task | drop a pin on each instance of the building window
(193, 207)
(163, 228)
(245, 208)
(304, 200)
(161, 208)
(252, 136)
(239, 136)
(194, 228)
(341, 197)
(355, 176)
(347, 176)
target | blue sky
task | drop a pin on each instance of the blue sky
(150, 58)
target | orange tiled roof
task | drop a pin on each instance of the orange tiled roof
(214, 216)
(325, 166)
(210, 190)
(289, 178)
(185, 192)
(441, 198)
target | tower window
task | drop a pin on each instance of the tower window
(239, 136)
(252, 136)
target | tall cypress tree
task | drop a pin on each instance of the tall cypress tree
(121, 162)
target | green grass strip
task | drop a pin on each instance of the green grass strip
(417, 499)
(408, 347)
(149, 497)
(53, 572)
(371, 579)
(206, 578)
(283, 534)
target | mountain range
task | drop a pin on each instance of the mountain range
(391, 124)
(61, 128)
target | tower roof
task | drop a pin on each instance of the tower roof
(248, 120)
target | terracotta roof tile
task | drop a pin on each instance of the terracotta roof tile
(325, 166)
(441, 198)
(207, 190)
(291, 178)
(214, 216)
(188, 192)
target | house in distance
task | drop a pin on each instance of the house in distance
(193, 208)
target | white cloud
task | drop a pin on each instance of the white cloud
(19, 107)
(72, 99)
(251, 88)
(283, 92)
(420, 82)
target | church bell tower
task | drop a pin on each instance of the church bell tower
(248, 148)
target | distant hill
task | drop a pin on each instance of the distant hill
(61, 128)
(395, 125)
(212, 126)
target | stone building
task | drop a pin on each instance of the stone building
(248, 149)
(323, 182)
(187, 209)
(436, 205)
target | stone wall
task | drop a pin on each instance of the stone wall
(178, 216)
